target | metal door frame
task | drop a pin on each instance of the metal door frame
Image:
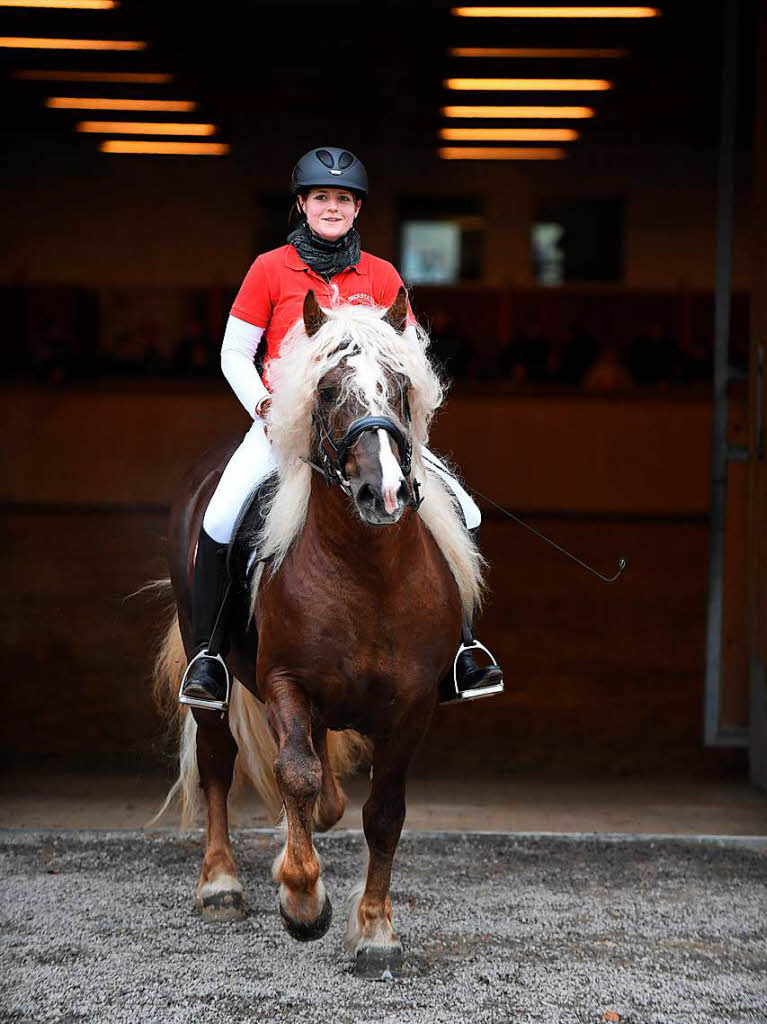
(722, 453)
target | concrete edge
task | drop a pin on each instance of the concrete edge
(755, 842)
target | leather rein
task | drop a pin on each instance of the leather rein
(333, 462)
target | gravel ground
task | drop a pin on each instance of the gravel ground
(100, 926)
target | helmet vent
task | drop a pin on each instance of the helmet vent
(324, 157)
(344, 160)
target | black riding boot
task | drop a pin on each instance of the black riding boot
(470, 680)
(206, 680)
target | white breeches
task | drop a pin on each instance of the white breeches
(253, 461)
(471, 514)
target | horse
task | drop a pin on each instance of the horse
(354, 617)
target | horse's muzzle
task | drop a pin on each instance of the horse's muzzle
(372, 506)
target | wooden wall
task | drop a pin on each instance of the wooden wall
(601, 679)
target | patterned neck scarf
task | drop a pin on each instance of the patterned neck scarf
(326, 258)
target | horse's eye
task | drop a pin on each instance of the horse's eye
(328, 394)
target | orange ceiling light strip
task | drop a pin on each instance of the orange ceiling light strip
(531, 51)
(541, 113)
(527, 84)
(32, 43)
(555, 12)
(101, 103)
(508, 134)
(501, 153)
(135, 77)
(145, 128)
(164, 148)
(82, 5)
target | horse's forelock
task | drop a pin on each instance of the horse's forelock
(370, 356)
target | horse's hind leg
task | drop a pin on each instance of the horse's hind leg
(331, 803)
(370, 934)
(304, 906)
(219, 893)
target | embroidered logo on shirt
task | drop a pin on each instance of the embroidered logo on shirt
(362, 297)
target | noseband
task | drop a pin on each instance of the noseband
(361, 426)
(333, 468)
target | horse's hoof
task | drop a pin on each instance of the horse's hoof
(311, 931)
(379, 963)
(223, 906)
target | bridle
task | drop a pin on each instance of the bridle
(333, 453)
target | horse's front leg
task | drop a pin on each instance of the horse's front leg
(304, 905)
(219, 893)
(370, 934)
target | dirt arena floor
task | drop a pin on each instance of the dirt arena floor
(100, 926)
(100, 800)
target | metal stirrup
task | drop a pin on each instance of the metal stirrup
(477, 691)
(199, 702)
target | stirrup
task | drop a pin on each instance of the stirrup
(477, 691)
(198, 702)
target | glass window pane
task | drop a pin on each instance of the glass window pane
(431, 252)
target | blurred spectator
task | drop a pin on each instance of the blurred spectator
(526, 357)
(54, 353)
(651, 357)
(137, 351)
(50, 360)
(692, 362)
(608, 373)
(555, 361)
(578, 354)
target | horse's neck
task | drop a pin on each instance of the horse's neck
(334, 525)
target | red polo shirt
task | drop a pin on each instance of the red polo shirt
(273, 292)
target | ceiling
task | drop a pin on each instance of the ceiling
(268, 72)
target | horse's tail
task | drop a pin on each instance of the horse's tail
(169, 667)
(256, 748)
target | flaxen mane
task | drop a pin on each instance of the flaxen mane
(370, 354)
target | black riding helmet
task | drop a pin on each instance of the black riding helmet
(332, 167)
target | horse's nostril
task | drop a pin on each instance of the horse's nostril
(365, 494)
(403, 494)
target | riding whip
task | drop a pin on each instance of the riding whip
(622, 563)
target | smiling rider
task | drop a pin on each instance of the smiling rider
(323, 254)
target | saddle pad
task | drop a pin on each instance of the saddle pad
(241, 555)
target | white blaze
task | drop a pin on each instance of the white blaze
(391, 474)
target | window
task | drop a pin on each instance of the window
(441, 239)
(431, 251)
(578, 239)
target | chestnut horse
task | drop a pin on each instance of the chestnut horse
(355, 617)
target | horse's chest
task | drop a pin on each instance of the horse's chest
(326, 624)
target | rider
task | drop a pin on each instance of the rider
(323, 254)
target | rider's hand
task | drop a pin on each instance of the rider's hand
(262, 409)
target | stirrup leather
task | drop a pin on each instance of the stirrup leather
(477, 691)
(198, 702)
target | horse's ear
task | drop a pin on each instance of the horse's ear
(314, 318)
(396, 314)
